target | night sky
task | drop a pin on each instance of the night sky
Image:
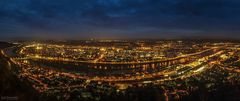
(79, 19)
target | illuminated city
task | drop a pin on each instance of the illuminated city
(119, 50)
(112, 67)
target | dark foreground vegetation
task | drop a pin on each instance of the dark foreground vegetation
(11, 88)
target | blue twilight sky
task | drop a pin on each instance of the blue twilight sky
(78, 19)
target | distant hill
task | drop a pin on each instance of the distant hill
(5, 45)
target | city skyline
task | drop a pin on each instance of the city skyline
(124, 19)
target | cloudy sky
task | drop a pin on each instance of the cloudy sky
(78, 19)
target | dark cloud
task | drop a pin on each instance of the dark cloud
(119, 18)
